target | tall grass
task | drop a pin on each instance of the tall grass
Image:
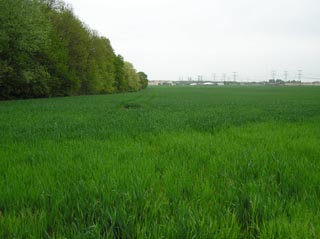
(179, 162)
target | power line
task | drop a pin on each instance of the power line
(285, 75)
(312, 78)
(214, 76)
(299, 74)
(234, 76)
(224, 76)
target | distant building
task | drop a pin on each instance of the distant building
(168, 83)
(159, 82)
(153, 82)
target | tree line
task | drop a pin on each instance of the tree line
(45, 50)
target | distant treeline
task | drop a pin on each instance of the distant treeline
(45, 50)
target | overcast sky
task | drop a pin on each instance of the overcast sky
(168, 39)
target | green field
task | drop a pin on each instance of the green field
(166, 162)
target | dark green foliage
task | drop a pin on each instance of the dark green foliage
(23, 43)
(45, 50)
(121, 83)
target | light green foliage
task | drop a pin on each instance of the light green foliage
(167, 162)
(101, 73)
(131, 76)
(143, 79)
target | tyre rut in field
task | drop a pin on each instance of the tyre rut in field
(138, 102)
